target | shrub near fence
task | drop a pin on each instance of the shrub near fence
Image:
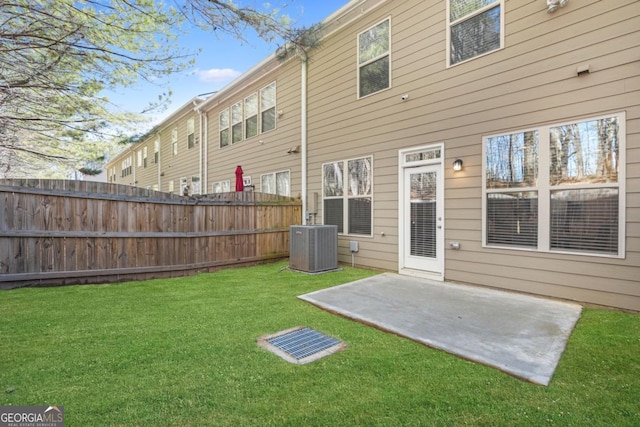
(68, 232)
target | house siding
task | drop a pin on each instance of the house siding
(266, 152)
(532, 81)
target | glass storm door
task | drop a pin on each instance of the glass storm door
(423, 225)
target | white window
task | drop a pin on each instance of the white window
(184, 187)
(221, 187)
(374, 59)
(268, 107)
(126, 166)
(474, 28)
(174, 141)
(276, 183)
(195, 185)
(156, 151)
(144, 157)
(251, 115)
(347, 191)
(236, 122)
(139, 158)
(557, 188)
(224, 128)
(191, 133)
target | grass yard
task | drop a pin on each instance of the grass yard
(183, 352)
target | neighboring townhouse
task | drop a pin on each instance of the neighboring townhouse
(494, 142)
(168, 158)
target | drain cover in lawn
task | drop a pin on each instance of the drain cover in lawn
(301, 345)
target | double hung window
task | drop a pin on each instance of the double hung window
(174, 141)
(236, 123)
(374, 59)
(474, 28)
(191, 133)
(224, 128)
(251, 116)
(268, 107)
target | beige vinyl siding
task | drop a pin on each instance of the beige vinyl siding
(532, 81)
(266, 152)
(146, 177)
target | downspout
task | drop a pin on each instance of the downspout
(159, 164)
(303, 132)
(195, 108)
(205, 143)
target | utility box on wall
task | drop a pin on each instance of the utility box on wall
(313, 248)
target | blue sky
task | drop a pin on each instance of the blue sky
(221, 60)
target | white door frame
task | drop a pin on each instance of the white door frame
(432, 155)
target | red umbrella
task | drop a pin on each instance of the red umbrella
(239, 181)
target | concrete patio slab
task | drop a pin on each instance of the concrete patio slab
(519, 334)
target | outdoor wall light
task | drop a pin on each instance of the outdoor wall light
(457, 165)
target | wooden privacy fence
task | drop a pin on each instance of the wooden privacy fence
(55, 232)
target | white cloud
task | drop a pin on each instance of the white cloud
(216, 75)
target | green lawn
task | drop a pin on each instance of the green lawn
(183, 352)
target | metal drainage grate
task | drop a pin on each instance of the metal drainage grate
(301, 344)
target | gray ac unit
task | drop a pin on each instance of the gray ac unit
(313, 248)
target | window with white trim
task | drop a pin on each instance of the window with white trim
(374, 59)
(139, 153)
(276, 183)
(347, 192)
(474, 28)
(184, 186)
(145, 153)
(268, 107)
(174, 141)
(221, 187)
(195, 185)
(224, 128)
(191, 133)
(236, 123)
(126, 166)
(251, 115)
(156, 151)
(557, 188)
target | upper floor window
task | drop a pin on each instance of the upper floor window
(374, 68)
(174, 141)
(474, 28)
(156, 151)
(557, 188)
(224, 128)
(268, 107)
(236, 123)
(139, 153)
(126, 167)
(191, 133)
(145, 153)
(251, 115)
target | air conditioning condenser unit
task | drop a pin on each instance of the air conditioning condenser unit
(313, 248)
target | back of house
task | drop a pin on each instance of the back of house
(494, 142)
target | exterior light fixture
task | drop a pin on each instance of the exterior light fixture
(457, 165)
